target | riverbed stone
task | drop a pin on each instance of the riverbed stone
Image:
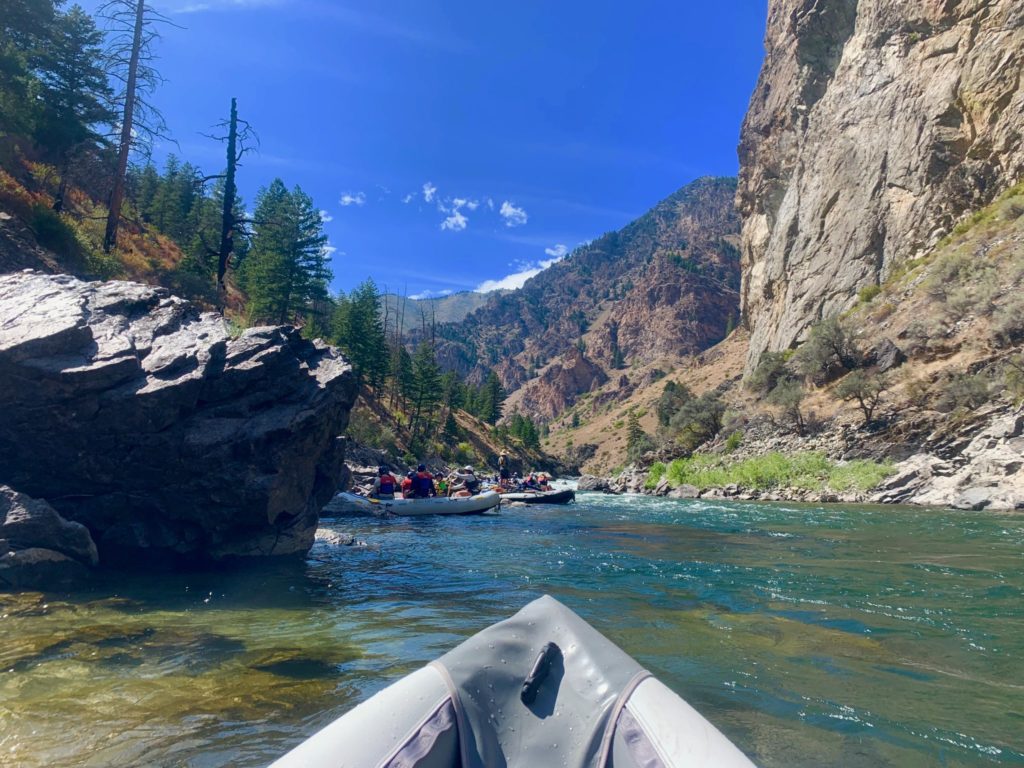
(140, 416)
(684, 491)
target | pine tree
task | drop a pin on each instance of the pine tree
(75, 94)
(492, 399)
(286, 270)
(25, 26)
(363, 336)
(426, 388)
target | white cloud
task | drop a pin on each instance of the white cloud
(490, 203)
(516, 279)
(432, 294)
(558, 251)
(384, 190)
(353, 198)
(408, 198)
(513, 216)
(472, 205)
(329, 251)
(325, 217)
(429, 190)
(456, 222)
(221, 5)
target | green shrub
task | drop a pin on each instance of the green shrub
(868, 292)
(1008, 321)
(964, 390)
(865, 389)
(788, 397)
(806, 471)
(733, 442)
(770, 370)
(53, 233)
(655, 475)
(830, 348)
(1013, 375)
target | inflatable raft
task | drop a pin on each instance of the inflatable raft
(563, 496)
(542, 688)
(347, 503)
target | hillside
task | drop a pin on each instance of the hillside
(665, 285)
(873, 128)
(956, 314)
(416, 313)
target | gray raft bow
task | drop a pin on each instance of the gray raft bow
(542, 688)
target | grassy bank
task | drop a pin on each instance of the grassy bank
(806, 471)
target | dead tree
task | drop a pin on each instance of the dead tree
(239, 142)
(132, 32)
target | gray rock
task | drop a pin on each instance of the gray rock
(863, 145)
(886, 356)
(973, 498)
(591, 483)
(137, 415)
(684, 492)
(662, 488)
(27, 523)
(39, 568)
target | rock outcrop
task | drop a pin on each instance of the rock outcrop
(137, 415)
(986, 474)
(873, 128)
(38, 547)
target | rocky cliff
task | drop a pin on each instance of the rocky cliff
(666, 284)
(874, 126)
(138, 416)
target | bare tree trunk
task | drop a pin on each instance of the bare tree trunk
(227, 221)
(125, 146)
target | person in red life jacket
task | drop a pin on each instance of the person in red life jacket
(385, 486)
(407, 485)
(423, 483)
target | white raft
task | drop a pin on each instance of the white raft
(542, 688)
(346, 503)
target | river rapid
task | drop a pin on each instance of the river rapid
(811, 636)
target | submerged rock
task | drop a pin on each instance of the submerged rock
(137, 415)
(38, 547)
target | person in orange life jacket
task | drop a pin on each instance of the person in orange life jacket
(385, 486)
(407, 485)
(423, 483)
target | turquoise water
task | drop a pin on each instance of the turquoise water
(810, 636)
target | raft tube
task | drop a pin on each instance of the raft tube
(542, 688)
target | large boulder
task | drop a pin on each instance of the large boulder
(139, 416)
(38, 547)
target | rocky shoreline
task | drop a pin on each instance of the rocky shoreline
(978, 466)
(143, 424)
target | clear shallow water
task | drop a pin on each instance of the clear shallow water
(810, 636)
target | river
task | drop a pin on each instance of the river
(811, 636)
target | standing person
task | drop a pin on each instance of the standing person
(384, 485)
(504, 473)
(423, 483)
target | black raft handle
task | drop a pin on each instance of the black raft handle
(539, 673)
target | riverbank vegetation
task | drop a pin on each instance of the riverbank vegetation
(803, 471)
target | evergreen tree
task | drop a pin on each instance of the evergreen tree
(426, 388)
(25, 27)
(364, 337)
(638, 442)
(492, 399)
(286, 270)
(75, 92)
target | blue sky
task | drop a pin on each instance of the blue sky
(454, 143)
